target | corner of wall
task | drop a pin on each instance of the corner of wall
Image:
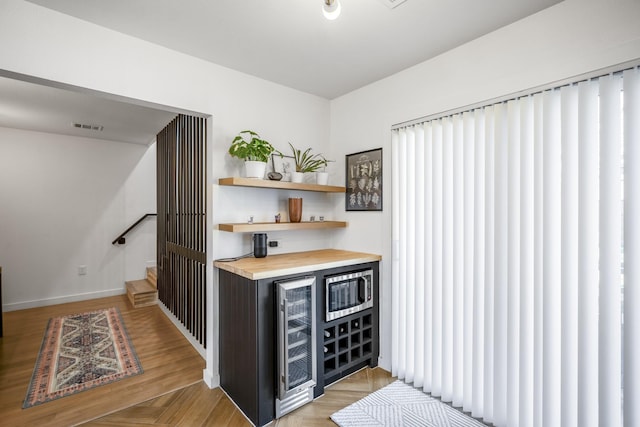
(382, 363)
(210, 379)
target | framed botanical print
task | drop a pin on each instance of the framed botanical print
(364, 181)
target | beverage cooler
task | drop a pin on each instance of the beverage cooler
(296, 343)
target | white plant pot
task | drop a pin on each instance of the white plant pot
(255, 169)
(322, 178)
(297, 176)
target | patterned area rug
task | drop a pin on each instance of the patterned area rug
(399, 404)
(80, 352)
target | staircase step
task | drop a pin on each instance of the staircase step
(152, 276)
(141, 293)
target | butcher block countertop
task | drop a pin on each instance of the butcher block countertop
(293, 263)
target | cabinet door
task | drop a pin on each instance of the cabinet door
(248, 345)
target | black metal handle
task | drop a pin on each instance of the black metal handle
(120, 240)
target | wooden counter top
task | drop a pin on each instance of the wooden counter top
(297, 262)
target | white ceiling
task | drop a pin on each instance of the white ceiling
(285, 41)
(44, 108)
(290, 42)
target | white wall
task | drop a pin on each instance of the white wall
(42, 43)
(139, 252)
(63, 200)
(568, 39)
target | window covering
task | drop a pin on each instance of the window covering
(516, 256)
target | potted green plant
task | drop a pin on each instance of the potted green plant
(255, 151)
(307, 162)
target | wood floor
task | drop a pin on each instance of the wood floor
(170, 392)
(168, 359)
(197, 405)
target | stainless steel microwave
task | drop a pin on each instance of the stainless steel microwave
(348, 293)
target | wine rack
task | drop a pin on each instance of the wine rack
(348, 343)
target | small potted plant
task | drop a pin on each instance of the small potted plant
(307, 162)
(322, 176)
(248, 146)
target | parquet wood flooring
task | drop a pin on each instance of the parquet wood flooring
(168, 359)
(197, 405)
(170, 392)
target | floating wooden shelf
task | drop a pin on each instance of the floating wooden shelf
(280, 226)
(263, 183)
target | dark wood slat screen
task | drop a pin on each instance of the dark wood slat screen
(181, 175)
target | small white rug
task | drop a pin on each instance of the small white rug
(399, 404)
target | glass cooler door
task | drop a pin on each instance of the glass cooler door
(296, 333)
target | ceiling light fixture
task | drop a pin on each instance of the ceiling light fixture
(331, 9)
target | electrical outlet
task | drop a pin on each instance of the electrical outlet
(273, 243)
(82, 270)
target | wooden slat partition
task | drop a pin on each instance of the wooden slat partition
(181, 198)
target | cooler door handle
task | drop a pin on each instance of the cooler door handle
(284, 342)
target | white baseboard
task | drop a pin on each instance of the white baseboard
(61, 300)
(210, 379)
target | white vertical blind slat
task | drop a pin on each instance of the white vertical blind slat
(489, 240)
(588, 254)
(458, 262)
(513, 279)
(396, 162)
(478, 403)
(428, 264)
(501, 233)
(631, 247)
(436, 388)
(569, 226)
(551, 322)
(468, 150)
(610, 244)
(525, 394)
(410, 233)
(402, 288)
(538, 147)
(418, 301)
(447, 260)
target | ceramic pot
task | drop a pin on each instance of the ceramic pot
(322, 178)
(297, 176)
(255, 169)
(295, 209)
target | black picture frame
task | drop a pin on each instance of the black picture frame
(363, 180)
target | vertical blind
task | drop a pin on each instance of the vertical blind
(516, 260)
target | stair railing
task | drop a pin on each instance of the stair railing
(120, 240)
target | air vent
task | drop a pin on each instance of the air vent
(392, 3)
(88, 127)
